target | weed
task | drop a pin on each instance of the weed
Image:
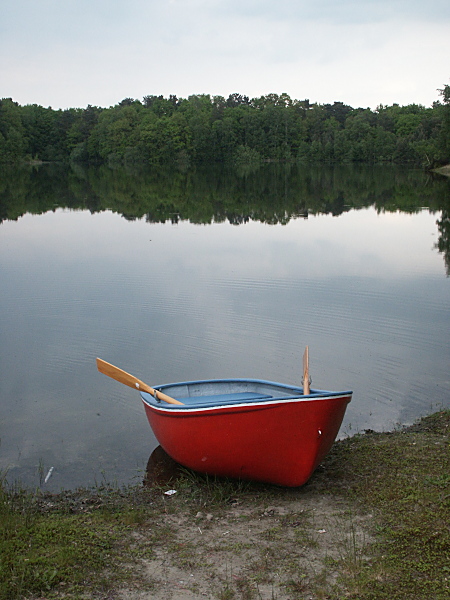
(207, 490)
(297, 585)
(227, 593)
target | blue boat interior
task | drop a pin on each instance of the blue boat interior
(211, 393)
(225, 398)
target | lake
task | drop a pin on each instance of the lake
(211, 273)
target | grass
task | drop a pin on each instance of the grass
(38, 553)
(206, 490)
(82, 544)
(404, 478)
(69, 543)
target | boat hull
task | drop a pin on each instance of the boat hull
(280, 438)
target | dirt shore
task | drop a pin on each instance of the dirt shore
(289, 548)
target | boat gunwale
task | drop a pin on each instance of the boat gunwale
(315, 394)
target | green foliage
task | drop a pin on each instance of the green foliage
(245, 156)
(445, 117)
(12, 132)
(203, 129)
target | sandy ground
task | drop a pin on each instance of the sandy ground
(249, 550)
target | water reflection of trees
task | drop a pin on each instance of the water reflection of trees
(272, 194)
(443, 244)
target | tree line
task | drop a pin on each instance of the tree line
(240, 130)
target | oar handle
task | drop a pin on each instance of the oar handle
(133, 382)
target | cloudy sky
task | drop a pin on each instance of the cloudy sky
(71, 53)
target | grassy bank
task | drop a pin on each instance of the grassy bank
(372, 523)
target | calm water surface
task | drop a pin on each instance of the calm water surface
(170, 299)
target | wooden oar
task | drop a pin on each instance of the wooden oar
(306, 371)
(131, 381)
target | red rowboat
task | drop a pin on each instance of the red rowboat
(246, 428)
(243, 428)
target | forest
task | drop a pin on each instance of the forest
(239, 130)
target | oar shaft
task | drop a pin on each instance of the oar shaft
(131, 381)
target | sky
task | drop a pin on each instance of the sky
(71, 53)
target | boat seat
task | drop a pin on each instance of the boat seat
(224, 398)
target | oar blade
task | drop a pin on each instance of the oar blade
(306, 371)
(131, 381)
(119, 375)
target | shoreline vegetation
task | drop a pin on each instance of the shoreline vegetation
(372, 523)
(238, 130)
